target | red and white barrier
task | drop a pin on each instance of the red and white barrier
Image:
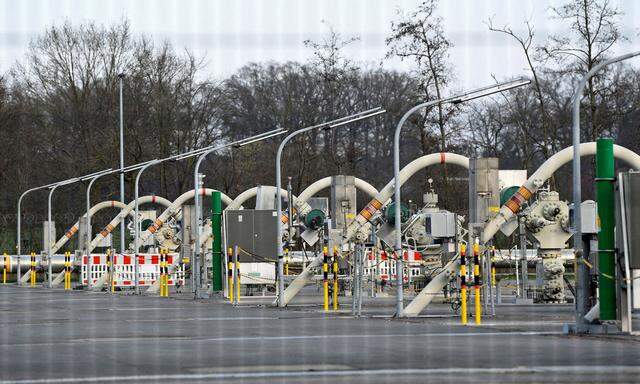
(124, 267)
(387, 265)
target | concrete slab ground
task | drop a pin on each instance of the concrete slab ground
(53, 336)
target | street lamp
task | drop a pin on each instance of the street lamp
(120, 81)
(49, 226)
(143, 166)
(195, 267)
(327, 125)
(457, 99)
(19, 239)
(582, 274)
(136, 230)
(92, 179)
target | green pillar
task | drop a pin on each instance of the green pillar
(216, 227)
(605, 179)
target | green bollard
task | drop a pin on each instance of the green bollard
(216, 227)
(605, 182)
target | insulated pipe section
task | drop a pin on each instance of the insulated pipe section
(543, 173)
(374, 205)
(432, 289)
(300, 202)
(251, 193)
(323, 183)
(304, 208)
(72, 231)
(405, 174)
(173, 209)
(123, 213)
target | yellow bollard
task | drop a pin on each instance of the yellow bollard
(335, 278)
(4, 270)
(238, 281)
(33, 269)
(164, 275)
(109, 269)
(325, 280)
(230, 273)
(476, 282)
(286, 261)
(463, 284)
(67, 283)
(160, 275)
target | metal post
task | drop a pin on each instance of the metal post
(360, 256)
(582, 292)
(50, 234)
(88, 232)
(122, 227)
(354, 280)
(19, 227)
(236, 277)
(524, 266)
(463, 284)
(19, 240)
(136, 227)
(195, 265)
(290, 210)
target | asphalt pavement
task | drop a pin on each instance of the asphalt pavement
(55, 336)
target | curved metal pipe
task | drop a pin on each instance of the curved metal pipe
(544, 172)
(361, 223)
(124, 213)
(251, 193)
(405, 174)
(175, 206)
(74, 228)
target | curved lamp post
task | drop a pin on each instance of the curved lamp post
(457, 99)
(18, 234)
(136, 226)
(49, 226)
(88, 221)
(327, 125)
(195, 267)
(582, 279)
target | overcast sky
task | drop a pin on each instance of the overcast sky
(232, 33)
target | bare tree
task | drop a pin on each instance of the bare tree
(594, 32)
(548, 143)
(336, 71)
(420, 37)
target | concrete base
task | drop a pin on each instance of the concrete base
(521, 301)
(591, 329)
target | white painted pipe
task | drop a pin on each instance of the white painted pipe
(362, 220)
(427, 294)
(74, 228)
(105, 204)
(536, 180)
(249, 194)
(405, 174)
(124, 213)
(175, 206)
(323, 183)
(546, 170)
